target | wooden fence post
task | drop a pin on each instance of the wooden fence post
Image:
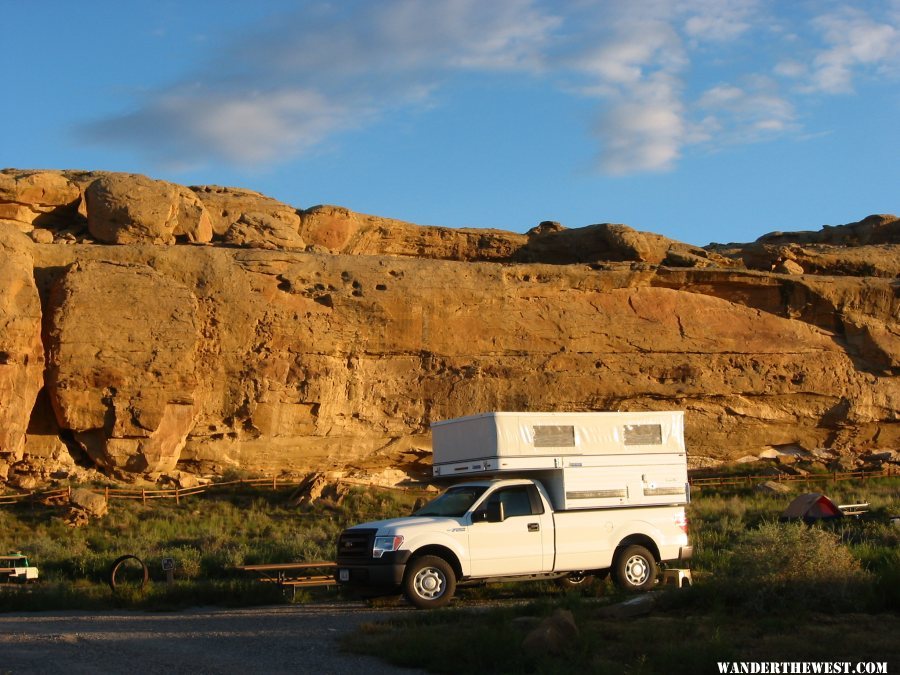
(144, 496)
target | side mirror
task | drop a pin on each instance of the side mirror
(492, 513)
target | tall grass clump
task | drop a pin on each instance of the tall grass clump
(789, 567)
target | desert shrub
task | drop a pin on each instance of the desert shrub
(188, 562)
(887, 582)
(790, 567)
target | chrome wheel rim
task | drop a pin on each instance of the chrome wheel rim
(637, 570)
(429, 583)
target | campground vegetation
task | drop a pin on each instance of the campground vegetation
(762, 589)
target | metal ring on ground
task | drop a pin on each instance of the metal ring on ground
(121, 560)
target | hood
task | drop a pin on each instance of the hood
(410, 522)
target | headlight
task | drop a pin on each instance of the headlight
(383, 544)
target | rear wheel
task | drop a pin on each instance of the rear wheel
(576, 581)
(429, 582)
(634, 569)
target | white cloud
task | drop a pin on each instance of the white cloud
(791, 69)
(854, 41)
(282, 88)
(641, 135)
(718, 20)
(747, 114)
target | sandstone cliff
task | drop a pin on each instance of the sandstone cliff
(147, 327)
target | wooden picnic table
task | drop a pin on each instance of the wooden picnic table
(294, 575)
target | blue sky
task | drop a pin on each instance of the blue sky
(703, 120)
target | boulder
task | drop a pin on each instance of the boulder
(261, 230)
(788, 267)
(227, 205)
(42, 236)
(93, 504)
(774, 487)
(133, 209)
(602, 242)
(31, 199)
(194, 222)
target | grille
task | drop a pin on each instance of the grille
(355, 544)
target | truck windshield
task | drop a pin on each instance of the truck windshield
(454, 502)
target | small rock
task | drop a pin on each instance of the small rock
(24, 481)
(552, 635)
(41, 236)
(77, 517)
(636, 606)
(310, 491)
(788, 267)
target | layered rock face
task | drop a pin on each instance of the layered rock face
(320, 339)
(21, 351)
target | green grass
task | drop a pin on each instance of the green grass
(669, 641)
(763, 591)
(206, 535)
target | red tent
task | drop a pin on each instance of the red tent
(811, 507)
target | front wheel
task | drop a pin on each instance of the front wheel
(429, 582)
(635, 569)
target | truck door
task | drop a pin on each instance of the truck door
(518, 545)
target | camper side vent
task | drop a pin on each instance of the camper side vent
(643, 434)
(554, 436)
(663, 491)
(597, 494)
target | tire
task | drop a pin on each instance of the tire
(429, 582)
(577, 581)
(634, 569)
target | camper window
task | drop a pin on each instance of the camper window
(554, 436)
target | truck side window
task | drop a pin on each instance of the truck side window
(537, 506)
(515, 500)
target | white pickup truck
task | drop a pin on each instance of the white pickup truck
(594, 493)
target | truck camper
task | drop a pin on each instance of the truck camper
(535, 495)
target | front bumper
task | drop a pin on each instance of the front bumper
(386, 571)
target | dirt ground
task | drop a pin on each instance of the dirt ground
(295, 639)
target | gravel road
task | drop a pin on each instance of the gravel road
(295, 639)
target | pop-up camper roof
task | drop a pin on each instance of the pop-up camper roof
(533, 435)
(585, 460)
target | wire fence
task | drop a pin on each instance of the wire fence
(63, 495)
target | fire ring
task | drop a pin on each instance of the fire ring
(119, 562)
